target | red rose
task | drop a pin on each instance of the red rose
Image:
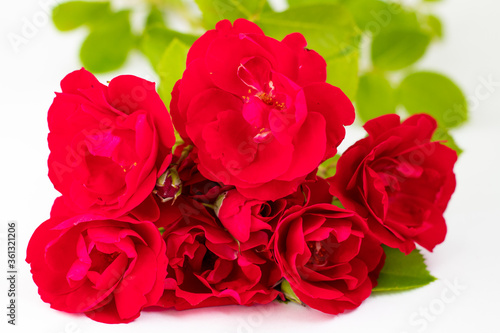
(208, 267)
(258, 109)
(107, 269)
(399, 181)
(324, 255)
(108, 144)
(242, 216)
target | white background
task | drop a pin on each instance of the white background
(469, 257)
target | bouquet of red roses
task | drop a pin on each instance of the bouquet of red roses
(234, 211)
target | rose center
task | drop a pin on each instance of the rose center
(390, 181)
(319, 254)
(270, 100)
(209, 260)
(264, 136)
(393, 172)
(101, 261)
(265, 210)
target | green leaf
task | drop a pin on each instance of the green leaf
(329, 29)
(108, 44)
(73, 14)
(155, 18)
(375, 97)
(442, 134)
(294, 3)
(398, 38)
(171, 67)
(289, 293)
(214, 11)
(435, 26)
(381, 16)
(434, 94)
(266, 8)
(369, 14)
(397, 17)
(342, 72)
(402, 271)
(328, 168)
(336, 202)
(157, 38)
(397, 49)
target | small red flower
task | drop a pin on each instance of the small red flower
(109, 269)
(108, 144)
(399, 181)
(323, 253)
(242, 216)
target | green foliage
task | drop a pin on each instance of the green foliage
(289, 293)
(328, 168)
(435, 26)
(330, 30)
(156, 39)
(155, 18)
(336, 202)
(369, 14)
(376, 16)
(108, 44)
(294, 3)
(110, 36)
(403, 272)
(397, 17)
(446, 139)
(71, 15)
(214, 11)
(170, 67)
(397, 49)
(375, 96)
(342, 71)
(434, 94)
(398, 38)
